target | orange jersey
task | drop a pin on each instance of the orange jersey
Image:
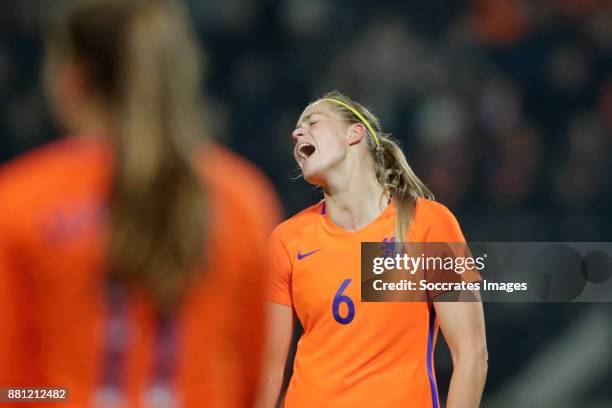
(53, 306)
(355, 354)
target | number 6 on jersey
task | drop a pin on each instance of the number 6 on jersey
(339, 298)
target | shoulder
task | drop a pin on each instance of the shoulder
(54, 155)
(435, 222)
(432, 211)
(300, 221)
(223, 162)
(284, 241)
(50, 170)
(235, 180)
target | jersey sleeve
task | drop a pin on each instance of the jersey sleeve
(279, 270)
(444, 228)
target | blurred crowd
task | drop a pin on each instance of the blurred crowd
(503, 107)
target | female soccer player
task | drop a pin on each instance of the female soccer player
(130, 252)
(370, 354)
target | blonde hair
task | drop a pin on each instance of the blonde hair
(141, 58)
(391, 168)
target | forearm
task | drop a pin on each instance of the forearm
(269, 390)
(467, 381)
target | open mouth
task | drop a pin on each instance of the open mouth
(305, 150)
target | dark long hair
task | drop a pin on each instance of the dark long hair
(142, 60)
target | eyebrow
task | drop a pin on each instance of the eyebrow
(307, 117)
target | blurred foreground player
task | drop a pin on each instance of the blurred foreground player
(131, 252)
(352, 353)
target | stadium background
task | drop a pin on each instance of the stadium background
(503, 107)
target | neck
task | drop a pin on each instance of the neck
(93, 120)
(353, 197)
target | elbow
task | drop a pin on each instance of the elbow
(475, 356)
(481, 355)
(274, 377)
(483, 361)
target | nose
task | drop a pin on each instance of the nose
(297, 133)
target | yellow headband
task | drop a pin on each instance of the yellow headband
(359, 115)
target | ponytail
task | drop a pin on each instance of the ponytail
(391, 168)
(398, 178)
(146, 67)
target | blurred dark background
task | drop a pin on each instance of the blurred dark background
(503, 107)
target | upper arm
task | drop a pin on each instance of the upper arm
(278, 271)
(462, 323)
(280, 330)
(463, 327)
(279, 334)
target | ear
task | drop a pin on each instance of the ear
(355, 134)
(77, 80)
(68, 90)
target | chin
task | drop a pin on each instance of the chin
(312, 176)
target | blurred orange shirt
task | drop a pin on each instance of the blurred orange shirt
(52, 299)
(375, 355)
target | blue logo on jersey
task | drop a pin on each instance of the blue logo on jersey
(388, 247)
(301, 256)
